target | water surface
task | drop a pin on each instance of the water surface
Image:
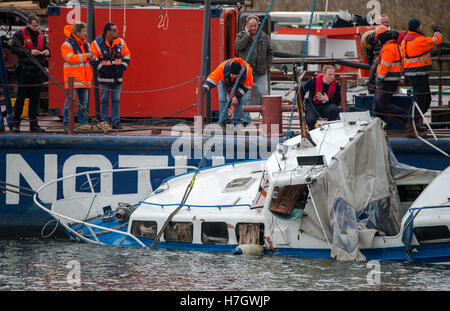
(49, 264)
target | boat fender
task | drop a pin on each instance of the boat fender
(249, 249)
(124, 211)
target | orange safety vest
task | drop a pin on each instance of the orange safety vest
(73, 51)
(222, 73)
(319, 88)
(110, 60)
(415, 49)
(28, 43)
(389, 66)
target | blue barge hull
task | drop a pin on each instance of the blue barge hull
(31, 160)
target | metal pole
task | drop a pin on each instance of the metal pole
(4, 79)
(208, 70)
(200, 97)
(204, 70)
(71, 95)
(90, 38)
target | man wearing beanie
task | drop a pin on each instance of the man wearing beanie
(372, 49)
(387, 80)
(224, 77)
(415, 49)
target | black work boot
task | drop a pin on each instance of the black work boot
(34, 127)
(16, 127)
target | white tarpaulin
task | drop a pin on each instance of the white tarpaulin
(356, 196)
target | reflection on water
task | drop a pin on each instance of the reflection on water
(36, 264)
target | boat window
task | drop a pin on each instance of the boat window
(179, 232)
(239, 184)
(432, 234)
(144, 229)
(214, 232)
(409, 193)
(250, 233)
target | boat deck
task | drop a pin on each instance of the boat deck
(159, 127)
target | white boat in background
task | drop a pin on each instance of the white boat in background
(337, 193)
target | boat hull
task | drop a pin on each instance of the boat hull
(428, 253)
(29, 161)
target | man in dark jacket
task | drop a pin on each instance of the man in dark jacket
(324, 97)
(112, 58)
(31, 47)
(373, 52)
(261, 57)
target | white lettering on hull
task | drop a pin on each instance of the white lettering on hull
(17, 167)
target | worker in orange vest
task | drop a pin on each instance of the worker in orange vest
(224, 78)
(372, 49)
(77, 63)
(415, 49)
(388, 77)
(112, 58)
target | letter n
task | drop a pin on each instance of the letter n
(16, 166)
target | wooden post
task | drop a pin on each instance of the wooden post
(71, 94)
(272, 115)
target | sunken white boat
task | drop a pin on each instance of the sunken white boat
(337, 193)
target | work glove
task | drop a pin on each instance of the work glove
(205, 88)
(436, 28)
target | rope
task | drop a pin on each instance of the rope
(258, 33)
(302, 64)
(4, 189)
(124, 18)
(191, 184)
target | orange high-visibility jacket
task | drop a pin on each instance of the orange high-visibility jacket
(111, 60)
(415, 49)
(389, 66)
(222, 73)
(73, 51)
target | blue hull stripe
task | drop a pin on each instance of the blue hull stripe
(428, 253)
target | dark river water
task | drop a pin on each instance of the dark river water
(49, 264)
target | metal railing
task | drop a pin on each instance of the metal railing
(65, 221)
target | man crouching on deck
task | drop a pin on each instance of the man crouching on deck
(324, 97)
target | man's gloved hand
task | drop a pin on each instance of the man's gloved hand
(436, 28)
(205, 88)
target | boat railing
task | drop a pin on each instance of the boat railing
(66, 220)
(196, 205)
